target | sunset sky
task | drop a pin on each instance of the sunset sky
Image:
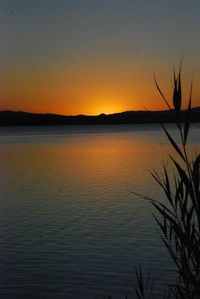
(95, 56)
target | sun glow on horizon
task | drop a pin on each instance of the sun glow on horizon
(105, 109)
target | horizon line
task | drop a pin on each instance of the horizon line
(90, 115)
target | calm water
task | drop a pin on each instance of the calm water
(69, 225)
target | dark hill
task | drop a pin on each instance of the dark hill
(11, 118)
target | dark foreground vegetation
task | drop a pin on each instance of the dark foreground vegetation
(179, 218)
(11, 118)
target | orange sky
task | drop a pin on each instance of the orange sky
(97, 58)
(94, 90)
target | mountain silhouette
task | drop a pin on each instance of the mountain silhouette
(12, 118)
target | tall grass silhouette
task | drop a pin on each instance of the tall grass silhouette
(178, 218)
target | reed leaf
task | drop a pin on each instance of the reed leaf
(188, 113)
(162, 95)
(173, 143)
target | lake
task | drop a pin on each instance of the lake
(69, 225)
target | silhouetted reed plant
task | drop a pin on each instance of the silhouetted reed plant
(179, 218)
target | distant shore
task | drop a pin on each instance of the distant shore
(13, 118)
